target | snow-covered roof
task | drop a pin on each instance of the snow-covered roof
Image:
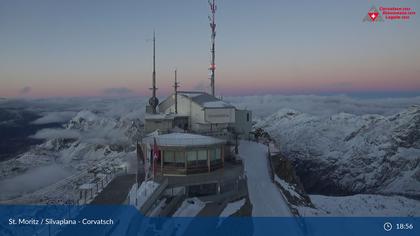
(182, 139)
(205, 100)
(161, 116)
(216, 104)
(191, 94)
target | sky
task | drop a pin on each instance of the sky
(54, 48)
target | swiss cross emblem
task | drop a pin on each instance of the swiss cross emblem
(373, 15)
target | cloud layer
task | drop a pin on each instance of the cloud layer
(55, 117)
(322, 105)
(56, 134)
(25, 90)
(121, 91)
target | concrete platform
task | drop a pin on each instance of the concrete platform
(116, 191)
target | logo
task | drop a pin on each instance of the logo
(373, 15)
(389, 13)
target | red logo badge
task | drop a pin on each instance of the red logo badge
(373, 15)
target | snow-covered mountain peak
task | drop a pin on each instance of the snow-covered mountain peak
(407, 129)
(351, 153)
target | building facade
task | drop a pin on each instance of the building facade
(183, 153)
(199, 112)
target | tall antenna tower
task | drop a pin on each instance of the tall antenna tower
(176, 86)
(212, 19)
(154, 101)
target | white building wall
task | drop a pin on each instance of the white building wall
(201, 119)
(219, 115)
(155, 124)
(243, 122)
(188, 108)
(197, 113)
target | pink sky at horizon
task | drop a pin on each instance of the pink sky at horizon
(234, 87)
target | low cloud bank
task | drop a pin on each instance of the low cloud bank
(56, 133)
(31, 181)
(55, 117)
(322, 105)
(121, 91)
(25, 90)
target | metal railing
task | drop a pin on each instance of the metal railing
(86, 195)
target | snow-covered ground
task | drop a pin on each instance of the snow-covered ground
(265, 197)
(139, 195)
(190, 207)
(287, 187)
(351, 153)
(232, 207)
(360, 143)
(362, 205)
(89, 146)
(32, 180)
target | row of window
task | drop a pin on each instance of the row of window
(194, 157)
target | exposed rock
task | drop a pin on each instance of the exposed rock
(346, 154)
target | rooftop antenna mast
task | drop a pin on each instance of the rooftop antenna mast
(154, 101)
(176, 86)
(212, 19)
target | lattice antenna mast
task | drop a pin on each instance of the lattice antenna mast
(176, 86)
(153, 101)
(212, 19)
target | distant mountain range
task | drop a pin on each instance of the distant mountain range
(333, 153)
(86, 147)
(15, 129)
(346, 154)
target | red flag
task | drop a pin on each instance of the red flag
(156, 155)
(155, 150)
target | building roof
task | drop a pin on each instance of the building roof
(182, 139)
(161, 116)
(205, 100)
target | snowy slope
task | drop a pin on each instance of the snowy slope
(346, 153)
(85, 148)
(362, 205)
(190, 207)
(265, 197)
(232, 207)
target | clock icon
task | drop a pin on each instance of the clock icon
(387, 226)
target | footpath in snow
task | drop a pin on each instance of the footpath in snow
(265, 196)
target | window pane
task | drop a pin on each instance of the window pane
(179, 157)
(218, 153)
(212, 153)
(192, 155)
(202, 155)
(169, 156)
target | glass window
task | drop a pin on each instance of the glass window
(202, 155)
(169, 156)
(218, 153)
(179, 157)
(192, 156)
(212, 153)
(202, 158)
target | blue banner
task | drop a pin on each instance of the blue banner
(126, 220)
